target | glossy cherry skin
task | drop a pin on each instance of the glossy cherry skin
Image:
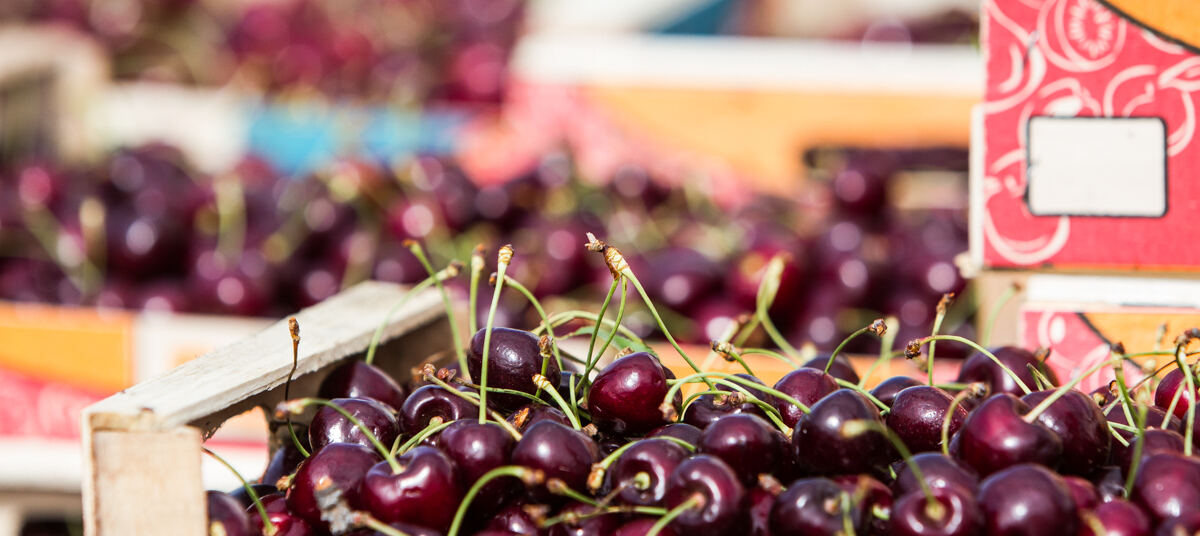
(286, 522)
(626, 395)
(1154, 441)
(811, 506)
(821, 446)
(678, 430)
(344, 464)
(917, 416)
(939, 470)
(357, 379)
(1167, 485)
(869, 496)
(514, 517)
(641, 527)
(979, 368)
(432, 401)
(840, 369)
(1027, 499)
(227, 513)
(761, 502)
(602, 525)
(1184, 525)
(995, 437)
(1170, 384)
(657, 459)
(1109, 482)
(559, 451)
(1083, 492)
(806, 385)
(475, 449)
(418, 494)
(514, 358)
(1080, 425)
(285, 459)
(887, 390)
(706, 409)
(723, 496)
(1118, 517)
(748, 444)
(330, 426)
(533, 413)
(960, 515)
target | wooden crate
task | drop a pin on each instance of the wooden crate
(142, 446)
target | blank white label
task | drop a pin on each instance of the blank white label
(1097, 166)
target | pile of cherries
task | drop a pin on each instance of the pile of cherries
(523, 437)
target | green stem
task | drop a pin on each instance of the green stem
(379, 446)
(933, 508)
(590, 356)
(477, 265)
(377, 337)
(1058, 393)
(432, 428)
(658, 319)
(949, 417)
(537, 306)
(612, 334)
(419, 252)
(1139, 443)
(984, 351)
(770, 353)
(501, 266)
(294, 330)
(676, 384)
(867, 394)
(624, 509)
(543, 383)
(937, 325)
(852, 336)
(885, 349)
(558, 319)
(1011, 291)
(693, 501)
(776, 337)
(269, 528)
(524, 473)
(499, 419)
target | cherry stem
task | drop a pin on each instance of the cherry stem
(1042, 382)
(770, 353)
(867, 394)
(612, 334)
(729, 353)
(1139, 443)
(768, 289)
(499, 419)
(377, 337)
(524, 473)
(502, 260)
(892, 324)
(1188, 375)
(477, 265)
(768, 410)
(723, 340)
(954, 403)
(1126, 398)
(269, 528)
(544, 384)
(1008, 295)
(977, 347)
(297, 406)
(435, 425)
(695, 500)
(558, 319)
(603, 511)
(294, 331)
(1061, 391)
(612, 290)
(676, 384)
(847, 523)
(537, 306)
(876, 327)
(658, 319)
(419, 252)
(855, 428)
(363, 519)
(558, 487)
(1166, 420)
(942, 305)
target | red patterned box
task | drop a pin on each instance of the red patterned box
(1087, 151)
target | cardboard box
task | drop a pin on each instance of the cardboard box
(1087, 136)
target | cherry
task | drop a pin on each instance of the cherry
(748, 444)
(358, 379)
(761, 501)
(558, 451)
(243, 498)
(404, 528)
(940, 471)
(979, 368)
(417, 494)
(917, 416)
(625, 396)
(887, 390)
(1167, 388)
(533, 413)
(1082, 492)
(330, 426)
(513, 359)
(601, 525)
(1027, 499)
(1186, 524)
(812, 506)
(641, 527)
(515, 518)
(960, 514)
(806, 385)
(1153, 441)
(1167, 485)
(343, 465)
(226, 513)
(285, 459)
(871, 497)
(432, 401)
(1110, 483)
(285, 520)
(476, 448)
(1117, 517)
(1080, 424)
(822, 447)
(840, 369)
(717, 494)
(995, 437)
(641, 472)
(678, 430)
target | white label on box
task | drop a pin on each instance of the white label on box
(1097, 166)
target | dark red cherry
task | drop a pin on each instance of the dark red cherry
(1183, 525)
(243, 498)
(641, 471)
(917, 416)
(419, 494)
(761, 501)
(404, 528)
(939, 470)
(1027, 499)
(559, 451)
(285, 459)
(813, 506)
(718, 489)
(286, 522)
(959, 514)
(840, 369)
(476, 449)
(707, 408)
(747, 443)
(1110, 483)
(995, 436)
(806, 385)
(515, 517)
(513, 359)
(625, 397)
(871, 497)
(432, 401)
(533, 413)
(1117, 517)
(678, 430)
(1080, 424)
(342, 464)
(979, 368)
(602, 525)
(1153, 441)
(822, 447)
(887, 390)
(227, 513)
(1167, 485)
(1083, 492)
(330, 426)
(1170, 384)
(641, 527)
(357, 379)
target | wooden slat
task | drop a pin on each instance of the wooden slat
(148, 483)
